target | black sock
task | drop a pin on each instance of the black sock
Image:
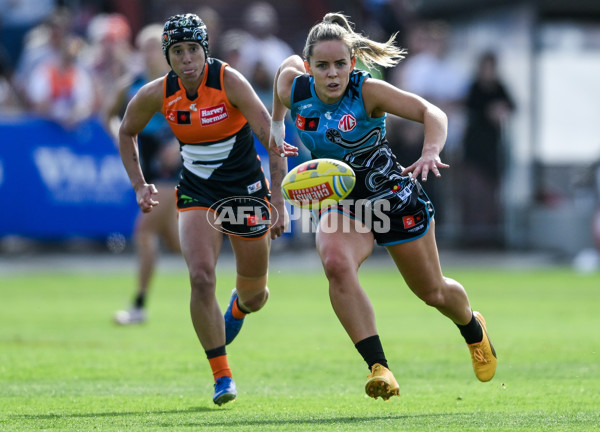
(371, 351)
(140, 301)
(215, 352)
(472, 332)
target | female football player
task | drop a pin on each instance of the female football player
(212, 110)
(347, 109)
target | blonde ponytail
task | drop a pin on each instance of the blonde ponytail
(335, 26)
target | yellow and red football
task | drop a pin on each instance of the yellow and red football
(311, 183)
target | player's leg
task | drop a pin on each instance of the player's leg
(201, 244)
(146, 230)
(418, 261)
(250, 293)
(161, 222)
(343, 249)
(168, 229)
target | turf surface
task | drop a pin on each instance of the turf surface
(64, 366)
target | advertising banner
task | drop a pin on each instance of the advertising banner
(57, 184)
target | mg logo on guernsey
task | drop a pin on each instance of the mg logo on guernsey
(347, 123)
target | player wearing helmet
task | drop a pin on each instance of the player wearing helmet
(213, 110)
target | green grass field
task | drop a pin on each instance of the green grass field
(64, 366)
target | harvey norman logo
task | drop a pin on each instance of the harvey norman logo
(214, 114)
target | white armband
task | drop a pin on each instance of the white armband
(278, 132)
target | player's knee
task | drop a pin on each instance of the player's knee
(252, 292)
(433, 298)
(146, 240)
(337, 266)
(202, 281)
(257, 301)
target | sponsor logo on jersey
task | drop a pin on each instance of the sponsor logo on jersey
(408, 221)
(403, 193)
(254, 187)
(412, 220)
(307, 123)
(347, 123)
(179, 117)
(174, 100)
(214, 114)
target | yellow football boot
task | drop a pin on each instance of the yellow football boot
(483, 354)
(381, 382)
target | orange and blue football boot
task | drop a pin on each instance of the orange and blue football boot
(232, 325)
(225, 390)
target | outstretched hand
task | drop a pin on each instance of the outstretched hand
(285, 150)
(426, 163)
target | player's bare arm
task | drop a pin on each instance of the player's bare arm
(290, 68)
(140, 110)
(240, 93)
(381, 97)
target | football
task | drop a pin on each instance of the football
(316, 181)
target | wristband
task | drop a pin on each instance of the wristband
(278, 132)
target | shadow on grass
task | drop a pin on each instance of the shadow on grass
(311, 420)
(219, 418)
(51, 416)
(220, 422)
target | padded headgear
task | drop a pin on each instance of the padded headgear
(184, 28)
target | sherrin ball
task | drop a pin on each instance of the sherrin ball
(318, 181)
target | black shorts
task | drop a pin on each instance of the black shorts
(389, 222)
(240, 208)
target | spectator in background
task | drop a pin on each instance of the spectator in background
(110, 53)
(60, 88)
(262, 51)
(390, 15)
(17, 18)
(212, 20)
(489, 105)
(429, 72)
(384, 18)
(10, 101)
(231, 46)
(161, 164)
(42, 44)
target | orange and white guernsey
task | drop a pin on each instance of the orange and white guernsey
(216, 141)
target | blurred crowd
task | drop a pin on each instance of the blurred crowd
(69, 65)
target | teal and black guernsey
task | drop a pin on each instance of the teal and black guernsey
(344, 131)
